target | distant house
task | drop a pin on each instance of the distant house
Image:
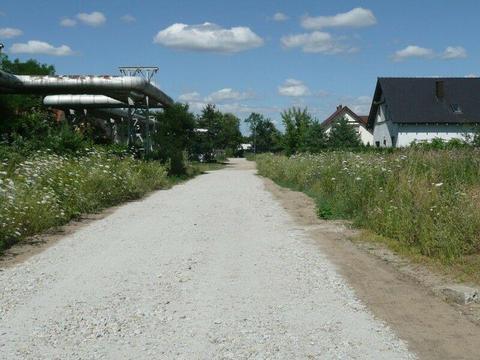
(358, 122)
(406, 110)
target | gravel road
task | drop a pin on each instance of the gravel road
(212, 269)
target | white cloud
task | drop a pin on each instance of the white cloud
(67, 22)
(94, 19)
(413, 51)
(227, 94)
(208, 37)
(293, 88)
(279, 16)
(358, 17)
(41, 47)
(315, 42)
(361, 105)
(8, 33)
(128, 18)
(454, 52)
(472, 76)
(189, 97)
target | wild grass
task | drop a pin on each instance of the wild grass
(47, 189)
(425, 200)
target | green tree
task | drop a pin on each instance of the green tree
(13, 108)
(314, 138)
(264, 135)
(343, 135)
(216, 131)
(296, 122)
(175, 126)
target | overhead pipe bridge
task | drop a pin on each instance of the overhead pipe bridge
(115, 98)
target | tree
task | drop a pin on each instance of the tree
(314, 138)
(264, 134)
(175, 126)
(14, 107)
(343, 135)
(220, 132)
(296, 122)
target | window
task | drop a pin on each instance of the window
(456, 108)
(393, 141)
(377, 143)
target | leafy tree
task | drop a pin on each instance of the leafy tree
(296, 122)
(343, 135)
(174, 133)
(264, 135)
(221, 132)
(14, 107)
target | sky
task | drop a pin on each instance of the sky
(251, 55)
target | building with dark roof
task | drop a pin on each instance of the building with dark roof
(358, 122)
(406, 110)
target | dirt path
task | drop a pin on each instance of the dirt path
(215, 268)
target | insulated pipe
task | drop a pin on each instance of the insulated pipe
(82, 101)
(118, 87)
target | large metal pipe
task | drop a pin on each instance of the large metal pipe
(121, 88)
(82, 102)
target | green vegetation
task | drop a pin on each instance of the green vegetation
(48, 189)
(425, 200)
(52, 171)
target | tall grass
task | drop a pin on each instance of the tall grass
(46, 189)
(427, 200)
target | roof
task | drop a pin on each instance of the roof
(341, 110)
(414, 100)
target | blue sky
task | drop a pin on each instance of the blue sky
(253, 55)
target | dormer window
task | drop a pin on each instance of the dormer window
(456, 109)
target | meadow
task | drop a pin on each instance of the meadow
(46, 189)
(424, 200)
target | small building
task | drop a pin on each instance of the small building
(358, 122)
(407, 110)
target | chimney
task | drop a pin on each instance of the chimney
(339, 107)
(440, 89)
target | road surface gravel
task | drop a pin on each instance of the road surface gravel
(214, 268)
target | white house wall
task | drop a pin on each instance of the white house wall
(384, 129)
(408, 133)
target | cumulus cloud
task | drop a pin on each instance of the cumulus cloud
(128, 18)
(227, 94)
(316, 42)
(191, 96)
(41, 47)
(279, 16)
(358, 17)
(94, 19)
(413, 51)
(208, 37)
(361, 105)
(68, 22)
(293, 88)
(8, 33)
(454, 52)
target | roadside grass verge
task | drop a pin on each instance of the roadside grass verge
(421, 202)
(45, 190)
